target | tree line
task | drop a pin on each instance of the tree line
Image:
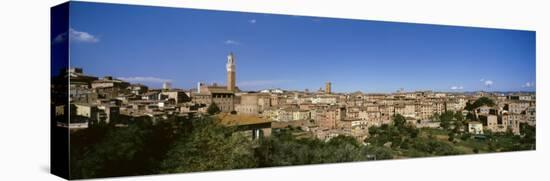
(197, 144)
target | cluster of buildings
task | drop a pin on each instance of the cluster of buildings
(328, 114)
(107, 100)
(323, 113)
(506, 115)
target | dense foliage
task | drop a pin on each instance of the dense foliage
(213, 109)
(283, 149)
(401, 140)
(404, 140)
(197, 144)
(210, 146)
(482, 101)
(200, 144)
(106, 151)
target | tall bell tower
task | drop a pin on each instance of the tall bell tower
(231, 72)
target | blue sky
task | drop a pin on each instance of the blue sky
(152, 44)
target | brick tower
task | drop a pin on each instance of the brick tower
(231, 79)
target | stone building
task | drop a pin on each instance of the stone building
(517, 107)
(330, 117)
(500, 123)
(138, 89)
(178, 96)
(475, 127)
(219, 95)
(80, 86)
(109, 87)
(249, 104)
(109, 113)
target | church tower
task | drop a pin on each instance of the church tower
(231, 72)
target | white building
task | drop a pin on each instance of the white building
(475, 127)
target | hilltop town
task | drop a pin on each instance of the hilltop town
(323, 114)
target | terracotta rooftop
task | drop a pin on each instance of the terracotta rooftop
(239, 120)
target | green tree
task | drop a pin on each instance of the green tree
(210, 146)
(115, 154)
(435, 147)
(396, 134)
(283, 148)
(451, 136)
(344, 149)
(399, 120)
(528, 139)
(446, 119)
(469, 106)
(459, 123)
(213, 109)
(478, 103)
(379, 153)
(471, 116)
(483, 101)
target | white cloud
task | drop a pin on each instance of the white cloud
(528, 84)
(81, 36)
(231, 42)
(252, 21)
(261, 82)
(481, 80)
(457, 87)
(145, 79)
(488, 83)
(60, 38)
